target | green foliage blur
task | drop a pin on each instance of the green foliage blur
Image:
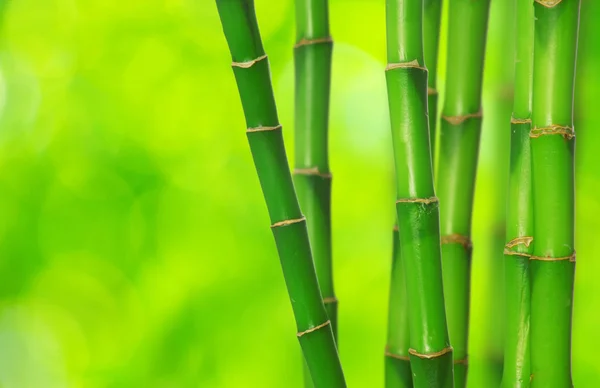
(135, 248)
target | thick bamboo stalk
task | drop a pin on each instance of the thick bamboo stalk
(398, 372)
(417, 206)
(251, 70)
(459, 147)
(552, 149)
(431, 35)
(312, 178)
(519, 220)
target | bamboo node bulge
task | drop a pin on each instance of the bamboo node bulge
(262, 129)
(567, 132)
(456, 120)
(288, 222)
(514, 120)
(431, 91)
(570, 258)
(414, 64)
(462, 361)
(248, 64)
(430, 355)
(307, 42)
(330, 300)
(322, 325)
(425, 201)
(548, 3)
(389, 353)
(455, 238)
(312, 171)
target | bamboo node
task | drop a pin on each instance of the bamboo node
(322, 325)
(396, 228)
(525, 240)
(389, 353)
(571, 258)
(567, 132)
(307, 42)
(456, 120)
(431, 91)
(288, 222)
(455, 238)
(248, 64)
(312, 171)
(513, 253)
(262, 129)
(430, 355)
(462, 361)
(425, 201)
(330, 300)
(514, 120)
(414, 64)
(548, 3)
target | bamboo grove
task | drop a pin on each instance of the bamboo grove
(429, 294)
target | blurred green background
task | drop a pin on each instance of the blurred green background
(135, 248)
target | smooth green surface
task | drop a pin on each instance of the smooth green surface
(135, 245)
(397, 364)
(268, 151)
(459, 147)
(519, 220)
(312, 65)
(555, 51)
(432, 15)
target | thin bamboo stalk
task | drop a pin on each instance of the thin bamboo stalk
(431, 34)
(417, 206)
(519, 221)
(397, 359)
(552, 149)
(459, 147)
(251, 70)
(312, 178)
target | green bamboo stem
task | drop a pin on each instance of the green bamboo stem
(252, 74)
(459, 147)
(398, 372)
(552, 149)
(397, 359)
(417, 206)
(431, 35)
(519, 220)
(312, 178)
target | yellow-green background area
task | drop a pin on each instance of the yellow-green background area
(135, 248)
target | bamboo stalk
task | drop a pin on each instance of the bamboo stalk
(397, 361)
(312, 178)
(552, 148)
(252, 74)
(431, 34)
(459, 147)
(417, 206)
(519, 222)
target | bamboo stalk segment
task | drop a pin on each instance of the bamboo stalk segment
(251, 70)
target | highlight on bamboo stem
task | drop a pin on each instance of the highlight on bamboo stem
(457, 165)
(552, 139)
(252, 74)
(417, 206)
(519, 222)
(312, 178)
